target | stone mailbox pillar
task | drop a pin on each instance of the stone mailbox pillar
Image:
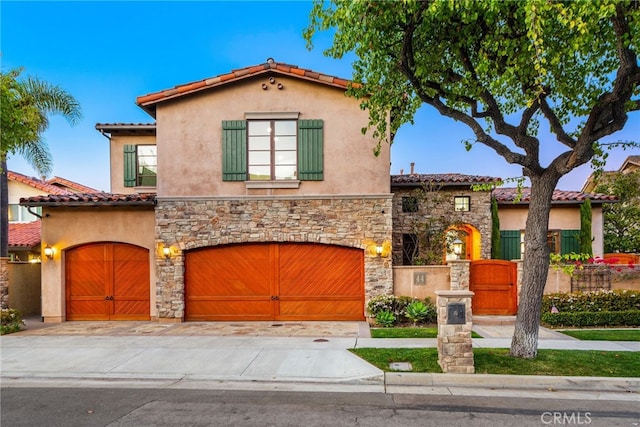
(455, 350)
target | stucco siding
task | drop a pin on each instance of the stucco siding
(65, 228)
(116, 152)
(189, 139)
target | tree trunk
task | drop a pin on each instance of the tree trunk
(4, 208)
(535, 267)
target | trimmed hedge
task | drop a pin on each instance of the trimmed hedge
(596, 308)
(595, 301)
(598, 318)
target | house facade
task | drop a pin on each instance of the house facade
(564, 221)
(446, 204)
(253, 196)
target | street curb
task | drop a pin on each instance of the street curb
(528, 382)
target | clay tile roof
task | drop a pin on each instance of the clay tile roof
(24, 234)
(91, 199)
(509, 195)
(442, 179)
(70, 185)
(36, 183)
(148, 102)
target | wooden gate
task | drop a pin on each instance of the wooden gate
(494, 283)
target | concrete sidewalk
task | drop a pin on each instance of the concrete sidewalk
(308, 361)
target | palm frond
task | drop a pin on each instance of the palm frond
(37, 154)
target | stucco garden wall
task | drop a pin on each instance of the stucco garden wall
(191, 223)
(421, 281)
(24, 288)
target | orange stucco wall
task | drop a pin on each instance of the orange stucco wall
(189, 133)
(65, 228)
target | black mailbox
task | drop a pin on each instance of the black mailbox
(456, 313)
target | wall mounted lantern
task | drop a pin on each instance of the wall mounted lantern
(457, 247)
(49, 252)
(379, 250)
(166, 251)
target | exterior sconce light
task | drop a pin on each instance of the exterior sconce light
(166, 251)
(49, 252)
(457, 247)
(379, 250)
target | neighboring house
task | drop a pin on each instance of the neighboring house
(24, 222)
(254, 196)
(630, 164)
(564, 220)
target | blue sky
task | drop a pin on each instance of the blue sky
(108, 53)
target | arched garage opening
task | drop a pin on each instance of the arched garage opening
(107, 281)
(274, 281)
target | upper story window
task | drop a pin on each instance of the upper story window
(410, 204)
(461, 203)
(19, 213)
(272, 146)
(140, 165)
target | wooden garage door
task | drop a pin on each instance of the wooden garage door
(283, 281)
(107, 281)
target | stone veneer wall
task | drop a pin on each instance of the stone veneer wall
(478, 216)
(192, 223)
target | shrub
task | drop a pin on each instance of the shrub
(398, 307)
(595, 301)
(416, 311)
(10, 321)
(385, 319)
(586, 318)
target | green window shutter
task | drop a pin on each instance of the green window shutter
(569, 241)
(234, 150)
(509, 244)
(129, 165)
(310, 150)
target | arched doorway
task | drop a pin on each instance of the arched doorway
(470, 238)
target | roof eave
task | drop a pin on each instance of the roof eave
(150, 106)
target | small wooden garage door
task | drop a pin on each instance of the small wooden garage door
(107, 281)
(280, 281)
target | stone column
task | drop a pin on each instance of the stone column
(519, 271)
(460, 270)
(4, 283)
(455, 350)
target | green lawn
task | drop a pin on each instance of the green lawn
(604, 334)
(497, 361)
(417, 332)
